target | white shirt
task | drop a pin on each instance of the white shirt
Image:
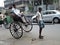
(16, 11)
(39, 16)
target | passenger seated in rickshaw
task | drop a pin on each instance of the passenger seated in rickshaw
(16, 14)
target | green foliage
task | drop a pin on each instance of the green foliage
(55, 1)
(30, 8)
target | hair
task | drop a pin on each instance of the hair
(40, 9)
(10, 7)
(0, 12)
(14, 5)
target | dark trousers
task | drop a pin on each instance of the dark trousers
(1, 22)
(40, 31)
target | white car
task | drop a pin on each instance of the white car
(51, 16)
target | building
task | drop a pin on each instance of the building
(1, 9)
(19, 3)
(32, 5)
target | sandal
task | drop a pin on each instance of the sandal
(41, 37)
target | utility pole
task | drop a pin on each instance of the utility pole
(58, 3)
(13, 1)
(22, 1)
(42, 4)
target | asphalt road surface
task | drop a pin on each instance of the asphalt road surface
(51, 34)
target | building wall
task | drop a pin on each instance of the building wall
(17, 2)
(30, 4)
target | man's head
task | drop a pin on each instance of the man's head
(14, 5)
(40, 9)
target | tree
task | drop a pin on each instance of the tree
(56, 2)
(47, 2)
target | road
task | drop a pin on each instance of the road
(51, 35)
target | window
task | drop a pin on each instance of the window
(53, 12)
(45, 13)
(50, 12)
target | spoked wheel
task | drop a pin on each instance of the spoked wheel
(16, 30)
(28, 26)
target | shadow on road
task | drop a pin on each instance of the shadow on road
(46, 23)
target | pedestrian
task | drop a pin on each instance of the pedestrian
(1, 19)
(16, 14)
(40, 22)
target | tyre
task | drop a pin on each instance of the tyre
(16, 30)
(55, 20)
(5, 23)
(28, 27)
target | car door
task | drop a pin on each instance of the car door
(47, 16)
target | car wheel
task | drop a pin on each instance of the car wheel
(55, 20)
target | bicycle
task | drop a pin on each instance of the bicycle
(18, 28)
